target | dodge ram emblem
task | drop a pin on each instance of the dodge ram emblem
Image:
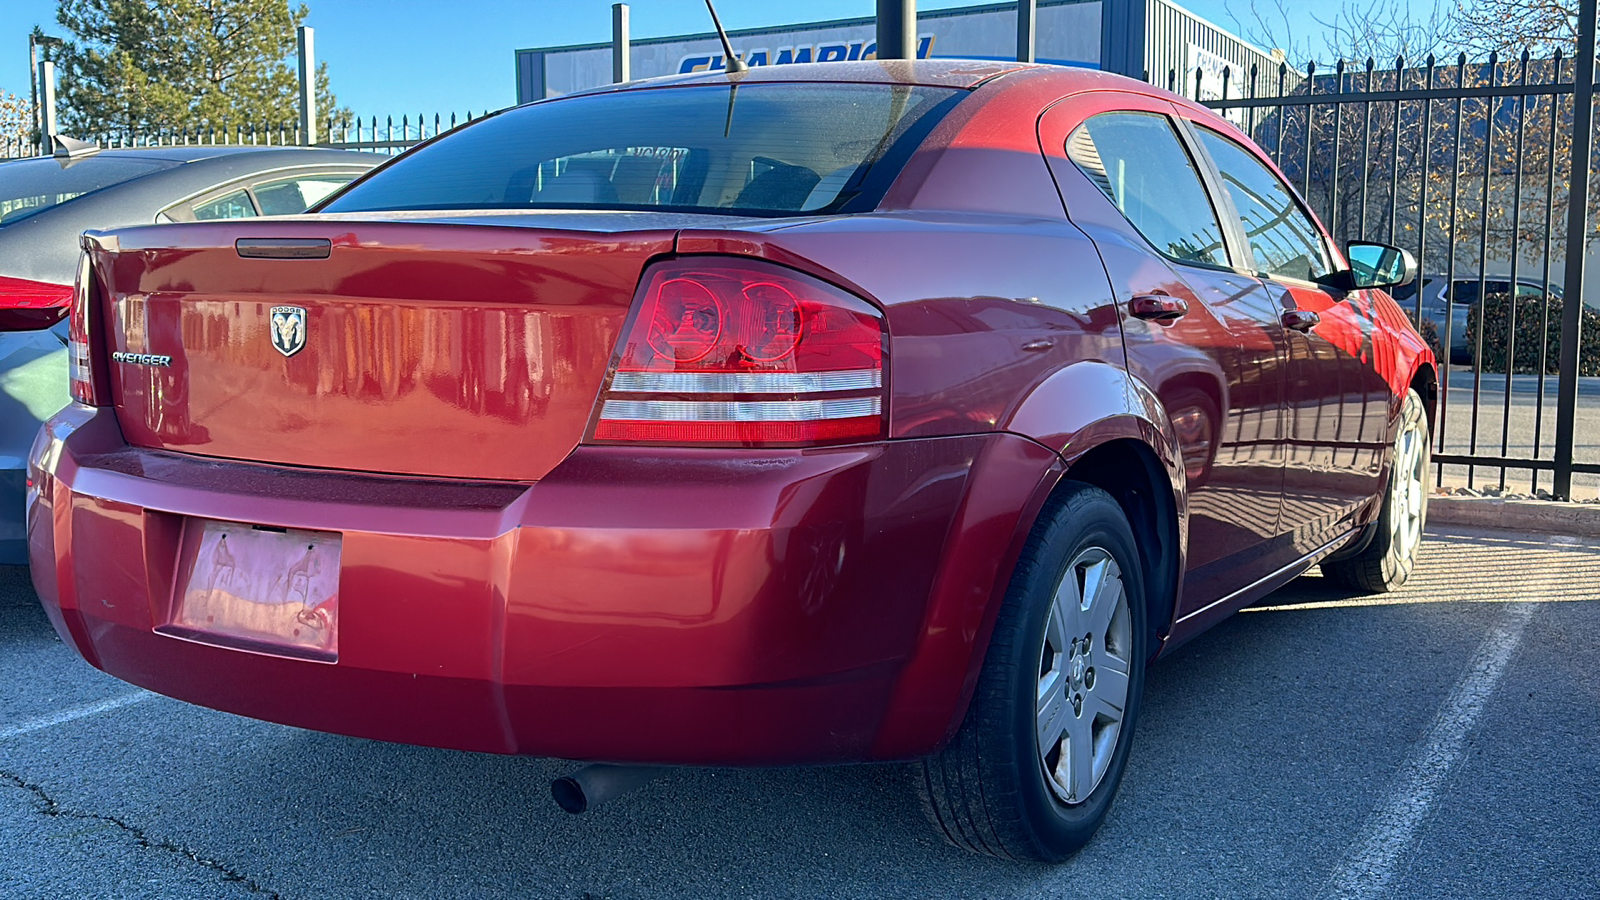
(288, 329)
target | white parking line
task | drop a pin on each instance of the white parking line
(68, 715)
(1391, 829)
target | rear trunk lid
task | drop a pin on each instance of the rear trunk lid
(419, 347)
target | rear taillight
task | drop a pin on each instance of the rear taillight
(736, 352)
(41, 303)
(80, 343)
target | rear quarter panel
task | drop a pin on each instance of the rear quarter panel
(1001, 319)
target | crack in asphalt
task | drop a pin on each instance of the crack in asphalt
(49, 806)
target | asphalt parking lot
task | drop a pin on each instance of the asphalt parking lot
(1441, 742)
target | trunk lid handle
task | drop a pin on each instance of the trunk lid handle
(283, 248)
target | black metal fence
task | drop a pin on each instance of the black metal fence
(387, 136)
(1482, 171)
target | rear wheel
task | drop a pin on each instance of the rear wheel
(1388, 560)
(1033, 769)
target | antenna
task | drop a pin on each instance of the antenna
(735, 64)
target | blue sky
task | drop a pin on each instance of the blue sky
(408, 56)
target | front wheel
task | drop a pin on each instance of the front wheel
(1033, 769)
(1388, 560)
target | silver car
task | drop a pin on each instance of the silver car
(1449, 308)
(47, 202)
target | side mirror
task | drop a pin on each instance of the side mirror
(1380, 265)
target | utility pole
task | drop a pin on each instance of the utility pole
(621, 47)
(33, 82)
(47, 105)
(36, 40)
(1027, 27)
(308, 86)
(897, 29)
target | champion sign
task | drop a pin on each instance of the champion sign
(835, 52)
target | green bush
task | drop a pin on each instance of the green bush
(1532, 337)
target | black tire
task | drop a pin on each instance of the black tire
(988, 791)
(1387, 561)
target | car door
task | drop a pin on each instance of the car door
(1337, 404)
(1200, 332)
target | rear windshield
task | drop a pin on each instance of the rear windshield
(758, 149)
(29, 186)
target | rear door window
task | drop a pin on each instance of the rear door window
(1137, 161)
(1466, 290)
(275, 196)
(236, 205)
(291, 196)
(755, 149)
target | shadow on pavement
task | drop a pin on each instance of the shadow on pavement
(21, 617)
(1261, 735)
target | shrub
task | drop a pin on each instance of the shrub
(1532, 337)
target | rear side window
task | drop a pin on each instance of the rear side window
(292, 196)
(1136, 160)
(1283, 240)
(29, 186)
(757, 149)
(279, 196)
(1466, 290)
(233, 206)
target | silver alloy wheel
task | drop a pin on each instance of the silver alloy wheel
(1083, 675)
(1409, 487)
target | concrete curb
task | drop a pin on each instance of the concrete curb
(1531, 516)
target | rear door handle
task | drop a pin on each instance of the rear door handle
(1162, 308)
(1300, 319)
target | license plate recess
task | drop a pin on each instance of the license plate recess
(260, 589)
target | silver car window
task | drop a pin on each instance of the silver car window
(236, 205)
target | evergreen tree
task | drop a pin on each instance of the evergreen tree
(139, 67)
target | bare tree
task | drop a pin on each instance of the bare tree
(1467, 180)
(1354, 31)
(1510, 26)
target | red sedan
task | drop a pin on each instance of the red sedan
(813, 414)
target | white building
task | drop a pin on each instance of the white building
(1154, 40)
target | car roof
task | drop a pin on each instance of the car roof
(952, 73)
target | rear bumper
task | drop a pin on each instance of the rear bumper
(696, 607)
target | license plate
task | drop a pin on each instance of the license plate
(275, 591)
